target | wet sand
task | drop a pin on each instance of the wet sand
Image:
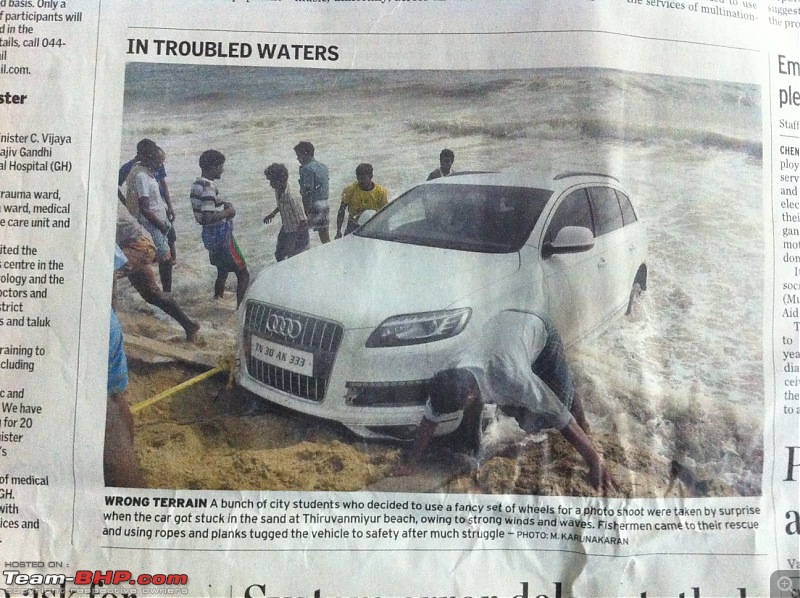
(213, 437)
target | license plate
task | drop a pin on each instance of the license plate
(294, 360)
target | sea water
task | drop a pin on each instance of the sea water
(681, 377)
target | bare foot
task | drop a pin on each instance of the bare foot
(584, 425)
(602, 480)
(193, 333)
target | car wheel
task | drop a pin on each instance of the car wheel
(639, 286)
(636, 292)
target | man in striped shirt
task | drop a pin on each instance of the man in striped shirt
(216, 217)
(293, 236)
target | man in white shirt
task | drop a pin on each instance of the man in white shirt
(519, 365)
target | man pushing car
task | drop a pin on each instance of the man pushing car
(519, 365)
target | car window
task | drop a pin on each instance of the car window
(608, 216)
(574, 210)
(628, 214)
(484, 218)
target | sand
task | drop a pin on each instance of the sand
(211, 436)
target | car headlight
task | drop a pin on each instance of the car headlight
(414, 329)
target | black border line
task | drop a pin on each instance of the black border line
(460, 550)
(775, 349)
(83, 276)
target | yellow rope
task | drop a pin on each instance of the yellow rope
(225, 364)
(228, 362)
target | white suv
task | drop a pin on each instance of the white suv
(353, 330)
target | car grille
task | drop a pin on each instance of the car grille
(320, 337)
(387, 394)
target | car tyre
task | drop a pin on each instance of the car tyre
(633, 299)
(638, 287)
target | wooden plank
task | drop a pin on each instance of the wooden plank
(183, 354)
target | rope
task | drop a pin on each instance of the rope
(226, 364)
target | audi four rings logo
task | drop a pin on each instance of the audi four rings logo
(281, 326)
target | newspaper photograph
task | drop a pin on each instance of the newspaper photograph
(405, 298)
(657, 383)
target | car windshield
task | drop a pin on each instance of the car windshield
(483, 218)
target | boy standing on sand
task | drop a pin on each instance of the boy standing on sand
(216, 217)
(120, 465)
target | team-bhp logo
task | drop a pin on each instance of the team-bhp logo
(83, 577)
(288, 327)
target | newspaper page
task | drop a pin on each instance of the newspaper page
(447, 298)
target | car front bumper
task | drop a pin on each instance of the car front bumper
(323, 369)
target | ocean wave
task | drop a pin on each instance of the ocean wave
(159, 130)
(709, 439)
(596, 129)
(239, 124)
(461, 90)
(510, 130)
(605, 130)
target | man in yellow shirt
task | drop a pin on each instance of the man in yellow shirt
(358, 197)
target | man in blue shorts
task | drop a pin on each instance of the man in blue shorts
(216, 217)
(519, 365)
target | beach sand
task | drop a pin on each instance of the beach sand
(211, 436)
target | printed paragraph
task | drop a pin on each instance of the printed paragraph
(25, 27)
(257, 524)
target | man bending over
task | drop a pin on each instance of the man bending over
(519, 365)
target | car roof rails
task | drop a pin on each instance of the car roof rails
(571, 173)
(464, 172)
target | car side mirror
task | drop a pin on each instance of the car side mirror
(570, 239)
